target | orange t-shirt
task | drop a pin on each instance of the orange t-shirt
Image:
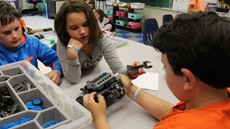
(212, 116)
(23, 38)
(198, 5)
(22, 22)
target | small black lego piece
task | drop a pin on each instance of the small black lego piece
(39, 36)
(135, 68)
(22, 86)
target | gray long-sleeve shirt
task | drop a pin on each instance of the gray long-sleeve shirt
(103, 48)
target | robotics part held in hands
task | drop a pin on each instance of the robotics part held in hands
(135, 68)
(107, 85)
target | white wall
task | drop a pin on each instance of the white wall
(58, 5)
(27, 5)
(157, 12)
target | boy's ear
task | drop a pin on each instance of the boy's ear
(190, 79)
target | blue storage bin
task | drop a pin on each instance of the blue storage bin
(135, 16)
(121, 22)
(109, 11)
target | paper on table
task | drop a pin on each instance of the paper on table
(147, 81)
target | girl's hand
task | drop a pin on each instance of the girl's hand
(71, 53)
(75, 43)
(139, 72)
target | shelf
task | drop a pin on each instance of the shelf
(123, 20)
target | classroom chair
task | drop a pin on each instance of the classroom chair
(167, 18)
(34, 2)
(150, 26)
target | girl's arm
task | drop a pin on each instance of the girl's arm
(71, 68)
(107, 27)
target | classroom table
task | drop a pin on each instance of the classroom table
(125, 113)
(50, 38)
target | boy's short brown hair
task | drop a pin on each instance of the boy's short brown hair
(8, 13)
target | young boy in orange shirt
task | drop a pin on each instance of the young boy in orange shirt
(29, 30)
(195, 52)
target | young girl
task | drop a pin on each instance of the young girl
(92, 4)
(81, 43)
(103, 21)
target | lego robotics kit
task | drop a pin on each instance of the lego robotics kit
(29, 100)
(108, 85)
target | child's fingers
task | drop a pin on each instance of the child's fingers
(86, 97)
(101, 99)
(92, 96)
(56, 80)
(136, 63)
(141, 70)
(48, 75)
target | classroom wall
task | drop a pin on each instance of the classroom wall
(27, 5)
(157, 12)
(179, 6)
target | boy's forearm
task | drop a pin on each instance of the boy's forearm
(101, 122)
(157, 107)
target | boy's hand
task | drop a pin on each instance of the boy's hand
(139, 72)
(55, 76)
(97, 109)
(125, 82)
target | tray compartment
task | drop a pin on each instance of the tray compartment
(36, 94)
(4, 78)
(18, 118)
(10, 103)
(30, 125)
(21, 83)
(13, 71)
(52, 114)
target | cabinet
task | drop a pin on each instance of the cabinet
(127, 18)
(53, 7)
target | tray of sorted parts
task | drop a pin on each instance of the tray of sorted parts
(29, 100)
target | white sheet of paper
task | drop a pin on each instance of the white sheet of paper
(147, 81)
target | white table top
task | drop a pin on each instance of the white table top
(125, 113)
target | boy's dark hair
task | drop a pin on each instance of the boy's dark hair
(199, 42)
(8, 13)
(76, 6)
